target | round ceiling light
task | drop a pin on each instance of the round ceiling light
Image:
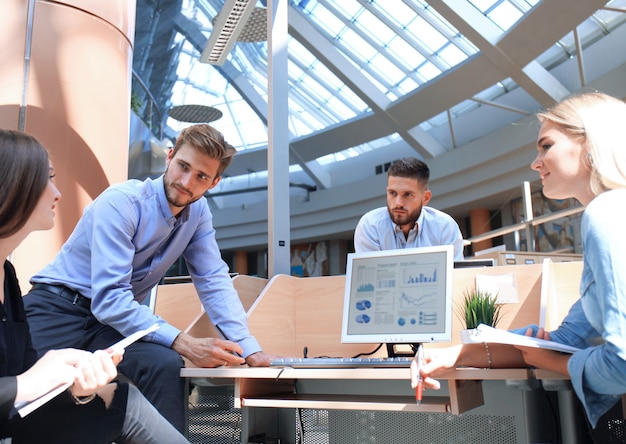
(194, 113)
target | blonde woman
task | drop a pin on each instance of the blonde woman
(581, 153)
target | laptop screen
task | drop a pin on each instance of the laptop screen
(398, 296)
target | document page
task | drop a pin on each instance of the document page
(485, 333)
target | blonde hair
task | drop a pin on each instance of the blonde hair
(599, 121)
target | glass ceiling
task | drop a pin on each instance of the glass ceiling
(412, 44)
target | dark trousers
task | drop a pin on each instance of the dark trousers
(56, 322)
(128, 419)
(61, 421)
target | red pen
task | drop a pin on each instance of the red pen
(419, 389)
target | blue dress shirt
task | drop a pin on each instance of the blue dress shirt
(376, 231)
(124, 244)
(597, 321)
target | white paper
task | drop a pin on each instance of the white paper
(485, 333)
(26, 407)
(502, 286)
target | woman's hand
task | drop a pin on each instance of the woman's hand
(437, 360)
(95, 371)
(87, 371)
(542, 358)
(434, 360)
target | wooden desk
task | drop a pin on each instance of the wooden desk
(291, 313)
(259, 391)
(276, 387)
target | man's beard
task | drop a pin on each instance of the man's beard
(169, 194)
(402, 220)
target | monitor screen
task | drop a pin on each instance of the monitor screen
(398, 296)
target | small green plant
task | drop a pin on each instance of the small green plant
(480, 307)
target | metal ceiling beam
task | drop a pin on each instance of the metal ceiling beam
(326, 51)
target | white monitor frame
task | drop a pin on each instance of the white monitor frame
(386, 314)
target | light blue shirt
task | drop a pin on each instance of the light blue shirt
(122, 247)
(376, 231)
(597, 321)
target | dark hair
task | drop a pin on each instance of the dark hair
(24, 172)
(209, 141)
(412, 168)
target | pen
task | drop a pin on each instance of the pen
(221, 332)
(419, 388)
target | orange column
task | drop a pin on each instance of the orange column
(241, 262)
(480, 223)
(66, 79)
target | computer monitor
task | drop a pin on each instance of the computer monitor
(398, 296)
(473, 263)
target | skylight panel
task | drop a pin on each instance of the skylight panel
(407, 55)
(428, 71)
(484, 5)
(368, 21)
(348, 9)
(360, 48)
(299, 52)
(339, 107)
(396, 11)
(305, 72)
(406, 86)
(505, 15)
(428, 36)
(452, 55)
(329, 22)
(387, 69)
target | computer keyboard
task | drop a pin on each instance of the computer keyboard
(398, 362)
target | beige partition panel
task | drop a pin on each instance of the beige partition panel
(180, 305)
(527, 281)
(248, 288)
(71, 78)
(560, 289)
(293, 312)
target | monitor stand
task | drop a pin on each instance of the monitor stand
(401, 350)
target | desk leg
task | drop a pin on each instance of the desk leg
(570, 432)
(186, 404)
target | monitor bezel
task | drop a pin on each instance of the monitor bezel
(411, 338)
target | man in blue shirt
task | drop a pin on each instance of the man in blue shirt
(407, 222)
(90, 295)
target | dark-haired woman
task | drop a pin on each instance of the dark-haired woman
(92, 410)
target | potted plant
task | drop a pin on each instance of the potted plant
(479, 307)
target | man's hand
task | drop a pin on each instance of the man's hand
(260, 359)
(208, 352)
